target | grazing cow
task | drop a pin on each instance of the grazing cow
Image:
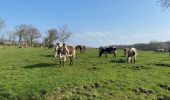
(63, 51)
(81, 48)
(107, 50)
(131, 55)
(159, 50)
(125, 51)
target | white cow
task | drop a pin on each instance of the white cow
(131, 55)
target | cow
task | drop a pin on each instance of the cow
(63, 51)
(81, 48)
(125, 51)
(107, 50)
(159, 50)
(131, 55)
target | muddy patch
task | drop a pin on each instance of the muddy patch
(93, 68)
(143, 90)
(140, 67)
(163, 97)
(165, 87)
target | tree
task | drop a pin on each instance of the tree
(165, 3)
(13, 37)
(51, 36)
(21, 32)
(64, 34)
(2, 25)
(32, 33)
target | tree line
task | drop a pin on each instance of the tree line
(147, 46)
(27, 33)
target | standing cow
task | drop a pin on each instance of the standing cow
(107, 50)
(62, 51)
(81, 48)
(131, 55)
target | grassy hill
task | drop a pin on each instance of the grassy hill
(34, 73)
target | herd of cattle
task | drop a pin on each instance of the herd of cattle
(62, 51)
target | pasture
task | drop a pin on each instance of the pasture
(33, 73)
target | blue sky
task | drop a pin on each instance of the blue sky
(93, 22)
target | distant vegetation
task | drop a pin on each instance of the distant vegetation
(147, 46)
(28, 34)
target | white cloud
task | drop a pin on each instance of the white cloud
(97, 39)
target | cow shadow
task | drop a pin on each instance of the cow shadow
(117, 61)
(41, 65)
(47, 55)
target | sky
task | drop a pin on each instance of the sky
(93, 22)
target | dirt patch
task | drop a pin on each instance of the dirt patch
(93, 68)
(88, 90)
(163, 97)
(139, 67)
(165, 87)
(143, 90)
(96, 85)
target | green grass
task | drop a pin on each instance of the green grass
(34, 73)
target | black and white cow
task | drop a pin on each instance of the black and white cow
(81, 48)
(107, 50)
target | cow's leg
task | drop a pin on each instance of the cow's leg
(63, 63)
(60, 63)
(70, 61)
(105, 54)
(114, 55)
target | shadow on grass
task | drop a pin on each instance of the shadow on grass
(117, 61)
(47, 55)
(162, 64)
(41, 65)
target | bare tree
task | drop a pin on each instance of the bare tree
(165, 3)
(64, 33)
(2, 25)
(21, 32)
(33, 33)
(13, 38)
(51, 36)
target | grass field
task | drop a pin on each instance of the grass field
(34, 73)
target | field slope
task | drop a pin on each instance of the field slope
(34, 73)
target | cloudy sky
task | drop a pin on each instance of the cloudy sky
(93, 22)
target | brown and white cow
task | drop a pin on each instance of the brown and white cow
(63, 51)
